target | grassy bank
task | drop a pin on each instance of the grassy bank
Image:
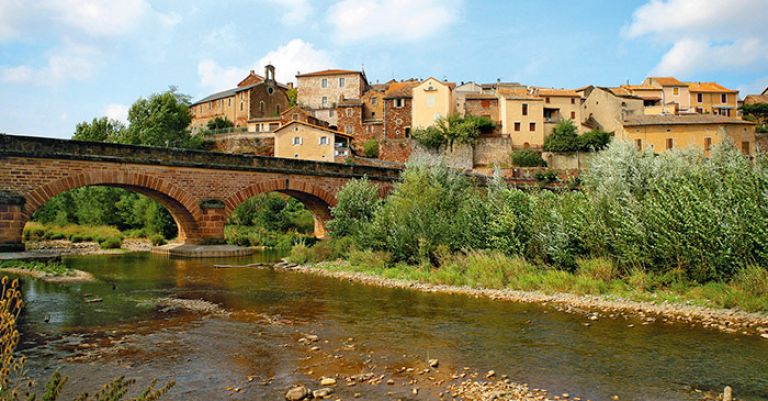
(107, 237)
(747, 291)
(48, 268)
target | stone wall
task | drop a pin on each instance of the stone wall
(564, 161)
(459, 157)
(249, 144)
(492, 150)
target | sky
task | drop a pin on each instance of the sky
(67, 61)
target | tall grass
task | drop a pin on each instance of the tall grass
(107, 237)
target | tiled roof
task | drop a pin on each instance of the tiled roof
(313, 126)
(752, 99)
(709, 87)
(667, 81)
(516, 94)
(620, 91)
(295, 109)
(401, 89)
(496, 85)
(328, 72)
(218, 95)
(479, 96)
(552, 92)
(681, 119)
(641, 87)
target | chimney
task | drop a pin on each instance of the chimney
(253, 72)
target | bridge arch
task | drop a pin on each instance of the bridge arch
(316, 199)
(185, 213)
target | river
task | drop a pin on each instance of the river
(252, 352)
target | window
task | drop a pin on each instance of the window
(525, 109)
(324, 83)
(517, 126)
(262, 106)
(229, 102)
(295, 116)
(210, 105)
(573, 101)
(723, 98)
(532, 127)
(374, 100)
(325, 101)
(573, 115)
(373, 114)
(407, 132)
(745, 147)
(485, 104)
(277, 109)
(699, 98)
(270, 91)
(297, 140)
(546, 100)
(323, 140)
(242, 105)
(341, 82)
(676, 91)
(707, 143)
(349, 129)
(399, 121)
(399, 103)
(349, 112)
(639, 144)
(670, 143)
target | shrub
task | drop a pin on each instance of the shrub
(753, 280)
(563, 139)
(527, 158)
(546, 176)
(300, 254)
(371, 148)
(601, 269)
(111, 243)
(356, 204)
(376, 260)
(157, 239)
(429, 137)
(594, 140)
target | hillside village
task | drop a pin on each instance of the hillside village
(335, 114)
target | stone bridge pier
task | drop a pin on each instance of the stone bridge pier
(199, 189)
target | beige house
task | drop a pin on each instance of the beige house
(432, 99)
(300, 140)
(713, 98)
(607, 108)
(665, 132)
(522, 117)
(559, 104)
(674, 94)
(320, 91)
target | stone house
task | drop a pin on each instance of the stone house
(522, 117)
(607, 108)
(398, 106)
(320, 91)
(674, 93)
(300, 140)
(254, 102)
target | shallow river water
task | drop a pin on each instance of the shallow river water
(252, 351)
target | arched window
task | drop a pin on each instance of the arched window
(261, 106)
(277, 109)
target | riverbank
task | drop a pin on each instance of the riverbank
(47, 270)
(592, 307)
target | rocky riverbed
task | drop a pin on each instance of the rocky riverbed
(591, 307)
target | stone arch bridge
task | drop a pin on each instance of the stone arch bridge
(199, 189)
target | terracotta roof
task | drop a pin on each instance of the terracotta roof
(552, 92)
(641, 87)
(401, 89)
(328, 72)
(709, 87)
(516, 94)
(294, 109)
(479, 96)
(620, 91)
(681, 119)
(752, 99)
(314, 126)
(667, 81)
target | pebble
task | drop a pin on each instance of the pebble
(433, 363)
(764, 335)
(490, 374)
(327, 381)
(297, 393)
(323, 392)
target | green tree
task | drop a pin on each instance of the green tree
(99, 130)
(356, 205)
(219, 123)
(161, 120)
(452, 129)
(371, 148)
(293, 95)
(594, 140)
(757, 112)
(563, 139)
(527, 158)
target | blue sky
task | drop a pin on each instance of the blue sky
(65, 61)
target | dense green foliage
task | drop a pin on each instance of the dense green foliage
(161, 120)
(594, 140)
(270, 220)
(357, 203)
(527, 158)
(679, 213)
(563, 139)
(371, 148)
(99, 130)
(293, 95)
(453, 129)
(219, 123)
(757, 112)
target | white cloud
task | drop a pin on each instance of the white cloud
(96, 18)
(117, 111)
(294, 11)
(288, 59)
(704, 35)
(72, 62)
(296, 55)
(391, 20)
(688, 55)
(217, 78)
